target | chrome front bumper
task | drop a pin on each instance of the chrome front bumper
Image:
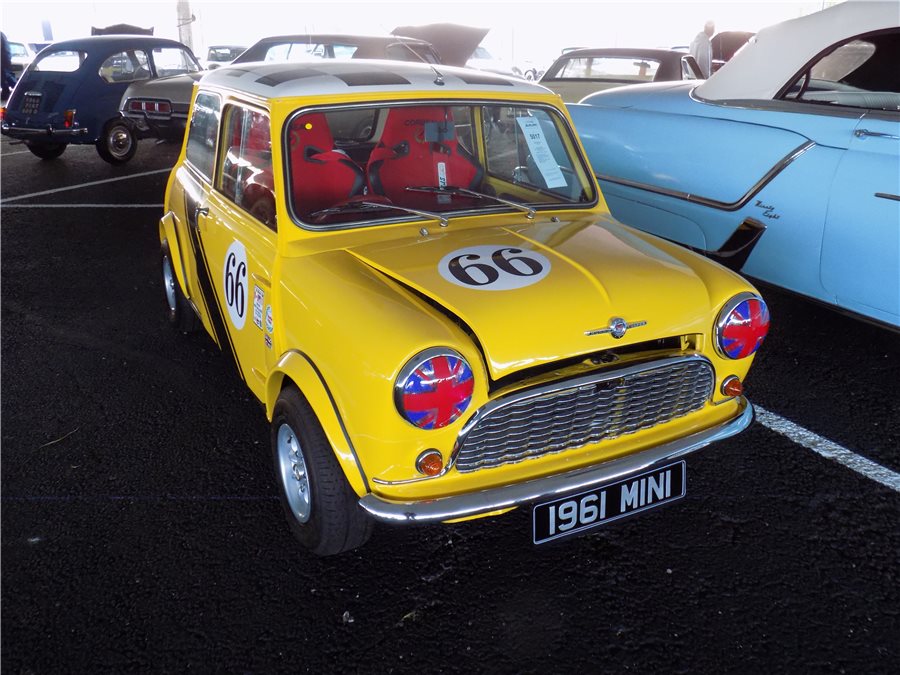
(509, 496)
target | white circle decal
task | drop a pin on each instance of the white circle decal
(494, 268)
(235, 283)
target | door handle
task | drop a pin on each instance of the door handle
(862, 133)
(199, 211)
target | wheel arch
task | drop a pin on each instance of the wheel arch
(296, 368)
(168, 237)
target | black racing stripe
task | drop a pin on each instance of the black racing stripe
(365, 78)
(234, 71)
(288, 75)
(474, 78)
(207, 289)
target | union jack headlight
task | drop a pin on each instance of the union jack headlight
(742, 326)
(434, 388)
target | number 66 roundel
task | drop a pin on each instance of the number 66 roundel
(234, 283)
(494, 268)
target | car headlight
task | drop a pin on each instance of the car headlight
(434, 388)
(741, 326)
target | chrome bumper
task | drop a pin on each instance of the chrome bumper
(37, 132)
(508, 496)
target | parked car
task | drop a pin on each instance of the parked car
(71, 93)
(579, 72)
(218, 55)
(21, 55)
(440, 318)
(785, 162)
(159, 108)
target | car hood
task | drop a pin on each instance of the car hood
(581, 275)
(453, 42)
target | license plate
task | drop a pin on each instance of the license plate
(32, 103)
(576, 513)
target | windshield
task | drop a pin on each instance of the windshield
(355, 166)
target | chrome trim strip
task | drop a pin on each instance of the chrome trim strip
(885, 195)
(608, 373)
(713, 203)
(510, 496)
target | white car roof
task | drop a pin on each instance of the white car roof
(331, 77)
(779, 52)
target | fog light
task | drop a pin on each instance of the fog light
(732, 386)
(430, 463)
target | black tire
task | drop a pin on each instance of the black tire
(117, 144)
(46, 151)
(180, 312)
(325, 517)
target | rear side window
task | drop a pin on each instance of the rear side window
(127, 66)
(174, 61)
(201, 142)
(60, 62)
(246, 177)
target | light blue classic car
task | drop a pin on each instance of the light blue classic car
(785, 164)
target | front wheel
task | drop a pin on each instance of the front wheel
(321, 508)
(46, 150)
(117, 144)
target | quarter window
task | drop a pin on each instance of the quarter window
(59, 61)
(127, 66)
(201, 143)
(246, 177)
(174, 61)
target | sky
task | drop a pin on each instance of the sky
(520, 30)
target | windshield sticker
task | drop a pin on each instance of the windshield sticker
(259, 297)
(234, 283)
(494, 268)
(540, 152)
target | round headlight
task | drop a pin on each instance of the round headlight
(742, 326)
(434, 388)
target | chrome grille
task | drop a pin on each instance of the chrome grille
(583, 411)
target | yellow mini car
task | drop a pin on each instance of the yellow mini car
(416, 274)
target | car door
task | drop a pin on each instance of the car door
(237, 232)
(861, 245)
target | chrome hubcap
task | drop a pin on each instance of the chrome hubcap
(292, 470)
(119, 141)
(169, 284)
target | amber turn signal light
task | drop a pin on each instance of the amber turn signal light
(430, 463)
(732, 386)
(69, 118)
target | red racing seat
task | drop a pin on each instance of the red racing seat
(321, 176)
(419, 147)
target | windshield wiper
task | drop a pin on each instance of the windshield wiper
(466, 192)
(366, 206)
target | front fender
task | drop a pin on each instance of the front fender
(168, 233)
(299, 368)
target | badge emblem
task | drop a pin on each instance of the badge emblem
(617, 327)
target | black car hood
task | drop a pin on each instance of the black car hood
(454, 43)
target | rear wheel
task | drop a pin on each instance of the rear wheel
(46, 150)
(117, 144)
(180, 313)
(321, 508)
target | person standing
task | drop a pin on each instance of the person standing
(701, 48)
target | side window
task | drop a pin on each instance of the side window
(127, 66)
(861, 73)
(246, 173)
(201, 142)
(59, 62)
(173, 61)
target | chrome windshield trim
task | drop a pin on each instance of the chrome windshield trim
(779, 166)
(510, 496)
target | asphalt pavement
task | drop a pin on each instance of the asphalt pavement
(141, 530)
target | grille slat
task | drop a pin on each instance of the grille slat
(582, 414)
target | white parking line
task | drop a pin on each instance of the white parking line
(18, 152)
(829, 449)
(82, 185)
(83, 206)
